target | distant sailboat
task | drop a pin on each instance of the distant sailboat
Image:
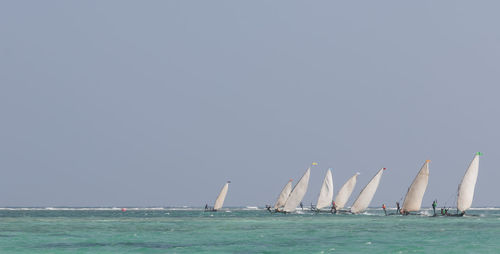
(467, 186)
(220, 199)
(415, 194)
(326, 193)
(366, 195)
(345, 192)
(297, 193)
(284, 195)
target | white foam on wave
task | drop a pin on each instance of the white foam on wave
(183, 209)
(427, 213)
(251, 208)
(145, 208)
(485, 208)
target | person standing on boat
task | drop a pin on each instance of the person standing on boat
(206, 206)
(301, 206)
(434, 204)
(446, 211)
(334, 207)
(398, 208)
(385, 211)
(268, 207)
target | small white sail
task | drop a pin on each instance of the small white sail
(366, 195)
(345, 192)
(326, 193)
(222, 195)
(298, 192)
(415, 194)
(468, 184)
(284, 195)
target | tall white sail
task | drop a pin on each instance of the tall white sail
(345, 192)
(284, 195)
(413, 198)
(366, 195)
(468, 184)
(222, 195)
(298, 192)
(326, 194)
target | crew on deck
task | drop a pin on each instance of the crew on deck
(434, 204)
(334, 207)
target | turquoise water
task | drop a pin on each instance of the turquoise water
(243, 231)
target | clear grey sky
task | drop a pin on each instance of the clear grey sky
(158, 103)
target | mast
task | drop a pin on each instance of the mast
(415, 194)
(366, 195)
(284, 195)
(326, 193)
(297, 193)
(222, 196)
(345, 192)
(468, 184)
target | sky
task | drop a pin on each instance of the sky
(159, 103)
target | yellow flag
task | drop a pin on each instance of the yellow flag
(315, 164)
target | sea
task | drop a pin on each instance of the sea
(243, 230)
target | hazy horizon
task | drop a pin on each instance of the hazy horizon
(159, 103)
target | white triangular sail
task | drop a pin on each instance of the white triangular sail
(326, 193)
(468, 184)
(345, 192)
(283, 195)
(366, 195)
(222, 195)
(415, 194)
(298, 192)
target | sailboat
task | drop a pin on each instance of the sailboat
(366, 195)
(285, 193)
(326, 193)
(297, 193)
(220, 199)
(467, 186)
(415, 194)
(345, 192)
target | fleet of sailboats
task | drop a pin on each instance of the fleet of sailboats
(289, 198)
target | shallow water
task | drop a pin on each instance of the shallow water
(243, 231)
